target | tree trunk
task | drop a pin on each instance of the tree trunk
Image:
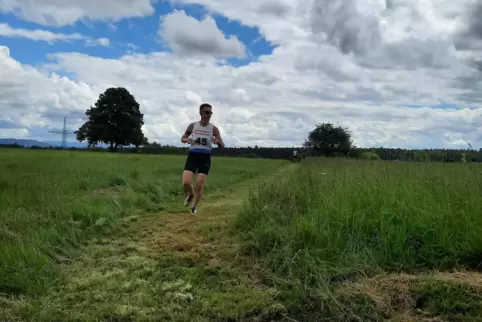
(113, 147)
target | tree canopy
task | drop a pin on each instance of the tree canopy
(327, 139)
(115, 120)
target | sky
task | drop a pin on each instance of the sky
(396, 73)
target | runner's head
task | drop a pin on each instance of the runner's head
(206, 110)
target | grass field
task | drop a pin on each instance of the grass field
(96, 236)
(352, 225)
(50, 201)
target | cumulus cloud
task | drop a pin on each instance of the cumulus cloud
(388, 35)
(48, 36)
(65, 12)
(187, 35)
(30, 98)
(276, 113)
(361, 64)
(280, 22)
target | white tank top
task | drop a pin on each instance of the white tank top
(202, 136)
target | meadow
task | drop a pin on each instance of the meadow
(97, 236)
(51, 201)
(347, 238)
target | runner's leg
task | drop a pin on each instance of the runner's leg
(203, 171)
(199, 189)
(189, 170)
(187, 176)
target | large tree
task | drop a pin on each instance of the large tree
(115, 120)
(327, 139)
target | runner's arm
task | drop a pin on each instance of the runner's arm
(217, 135)
(185, 137)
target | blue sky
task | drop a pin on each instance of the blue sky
(140, 32)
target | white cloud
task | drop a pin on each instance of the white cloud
(193, 98)
(356, 63)
(65, 12)
(104, 42)
(279, 115)
(30, 98)
(37, 34)
(14, 133)
(48, 36)
(279, 21)
(187, 35)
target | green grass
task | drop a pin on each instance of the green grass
(52, 201)
(333, 221)
(97, 236)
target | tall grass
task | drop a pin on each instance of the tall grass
(330, 220)
(52, 200)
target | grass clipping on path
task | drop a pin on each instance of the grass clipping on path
(155, 268)
(337, 220)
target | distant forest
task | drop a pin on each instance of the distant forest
(437, 155)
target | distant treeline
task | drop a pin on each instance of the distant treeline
(438, 155)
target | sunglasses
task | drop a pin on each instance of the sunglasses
(208, 113)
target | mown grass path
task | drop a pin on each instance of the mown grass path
(170, 266)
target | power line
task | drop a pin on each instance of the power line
(63, 133)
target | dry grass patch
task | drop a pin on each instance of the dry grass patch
(441, 296)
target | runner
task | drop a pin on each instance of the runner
(204, 134)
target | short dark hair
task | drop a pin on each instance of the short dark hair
(204, 105)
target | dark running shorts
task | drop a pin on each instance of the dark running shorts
(198, 161)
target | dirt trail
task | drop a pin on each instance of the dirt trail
(161, 267)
